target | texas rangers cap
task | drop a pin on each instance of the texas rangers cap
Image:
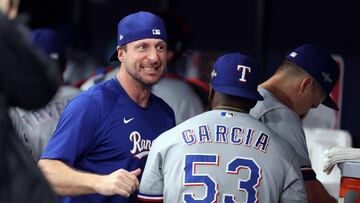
(50, 42)
(236, 74)
(137, 26)
(320, 65)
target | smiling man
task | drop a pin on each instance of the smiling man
(104, 135)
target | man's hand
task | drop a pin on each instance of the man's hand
(120, 182)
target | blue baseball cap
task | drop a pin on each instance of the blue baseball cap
(137, 26)
(320, 65)
(237, 75)
(50, 42)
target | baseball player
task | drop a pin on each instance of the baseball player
(223, 155)
(35, 127)
(104, 135)
(185, 102)
(303, 81)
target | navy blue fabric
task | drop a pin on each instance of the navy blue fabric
(236, 74)
(51, 42)
(103, 130)
(137, 26)
(308, 174)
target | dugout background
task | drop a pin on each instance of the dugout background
(264, 29)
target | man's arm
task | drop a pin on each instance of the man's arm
(151, 188)
(71, 182)
(316, 193)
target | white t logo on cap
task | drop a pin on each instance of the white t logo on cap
(243, 73)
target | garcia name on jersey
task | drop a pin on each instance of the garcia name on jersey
(235, 135)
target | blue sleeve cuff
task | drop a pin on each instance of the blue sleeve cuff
(308, 173)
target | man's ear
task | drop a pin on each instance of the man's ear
(306, 83)
(210, 98)
(120, 53)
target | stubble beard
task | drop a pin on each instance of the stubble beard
(142, 81)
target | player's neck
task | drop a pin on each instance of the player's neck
(282, 89)
(137, 93)
(231, 108)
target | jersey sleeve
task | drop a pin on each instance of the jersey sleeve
(152, 181)
(17, 121)
(75, 131)
(294, 189)
(21, 130)
(289, 126)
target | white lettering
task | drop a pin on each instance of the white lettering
(189, 137)
(243, 73)
(238, 136)
(141, 147)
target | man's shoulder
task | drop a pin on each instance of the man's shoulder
(175, 135)
(272, 108)
(172, 82)
(157, 101)
(66, 93)
(107, 88)
(265, 109)
(102, 95)
(269, 103)
(278, 144)
(173, 87)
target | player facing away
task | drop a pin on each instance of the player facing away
(303, 81)
(223, 155)
(104, 135)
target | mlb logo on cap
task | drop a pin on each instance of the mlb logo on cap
(293, 54)
(320, 65)
(156, 32)
(237, 75)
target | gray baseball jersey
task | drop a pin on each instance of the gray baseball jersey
(221, 156)
(287, 124)
(184, 101)
(36, 127)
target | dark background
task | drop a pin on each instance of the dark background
(264, 29)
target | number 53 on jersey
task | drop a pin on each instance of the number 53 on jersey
(233, 167)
